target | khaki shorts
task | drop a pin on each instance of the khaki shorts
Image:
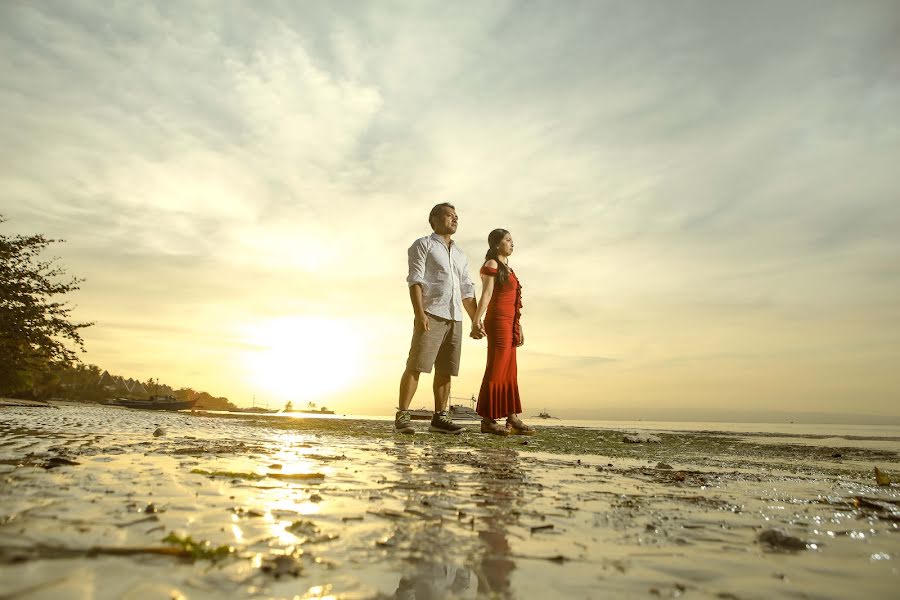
(439, 347)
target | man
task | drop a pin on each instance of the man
(439, 288)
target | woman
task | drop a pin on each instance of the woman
(500, 305)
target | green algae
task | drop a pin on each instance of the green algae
(198, 550)
(229, 474)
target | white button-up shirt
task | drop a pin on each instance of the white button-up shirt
(443, 273)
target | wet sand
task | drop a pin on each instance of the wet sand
(94, 505)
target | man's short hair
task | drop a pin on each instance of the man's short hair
(436, 211)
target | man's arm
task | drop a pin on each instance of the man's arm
(415, 296)
(472, 308)
(416, 257)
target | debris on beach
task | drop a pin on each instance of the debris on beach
(641, 438)
(662, 465)
(779, 541)
(882, 478)
(282, 564)
(889, 510)
(247, 512)
(58, 461)
(159, 432)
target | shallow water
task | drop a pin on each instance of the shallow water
(342, 508)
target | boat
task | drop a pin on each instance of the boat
(458, 412)
(316, 411)
(421, 414)
(545, 415)
(155, 403)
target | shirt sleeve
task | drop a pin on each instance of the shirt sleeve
(417, 254)
(466, 287)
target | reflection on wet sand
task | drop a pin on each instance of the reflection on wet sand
(502, 493)
(487, 569)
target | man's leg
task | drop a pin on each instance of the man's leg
(422, 353)
(409, 383)
(445, 366)
(441, 391)
(441, 422)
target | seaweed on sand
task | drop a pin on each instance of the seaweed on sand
(198, 550)
(229, 474)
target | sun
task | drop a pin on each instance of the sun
(303, 359)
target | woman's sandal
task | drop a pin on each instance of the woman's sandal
(517, 427)
(493, 427)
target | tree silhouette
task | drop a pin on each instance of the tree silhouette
(35, 326)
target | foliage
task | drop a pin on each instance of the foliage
(36, 331)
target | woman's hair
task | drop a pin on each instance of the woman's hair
(494, 239)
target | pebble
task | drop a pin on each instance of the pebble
(159, 432)
(776, 539)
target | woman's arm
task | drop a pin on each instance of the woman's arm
(487, 290)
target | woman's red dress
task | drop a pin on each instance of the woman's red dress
(499, 395)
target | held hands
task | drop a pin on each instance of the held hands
(478, 331)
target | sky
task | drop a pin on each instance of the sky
(703, 195)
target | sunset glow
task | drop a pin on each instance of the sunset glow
(303, 359)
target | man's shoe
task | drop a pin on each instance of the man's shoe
(492, 426)
(442, 423)
(402, 422)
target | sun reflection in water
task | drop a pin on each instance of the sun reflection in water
(238, 533)
(319, 592)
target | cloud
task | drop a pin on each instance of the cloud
(675, 177)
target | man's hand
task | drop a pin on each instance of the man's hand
(422, 321)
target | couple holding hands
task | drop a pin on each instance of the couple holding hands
(440, 289)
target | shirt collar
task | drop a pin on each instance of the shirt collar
(440, 239)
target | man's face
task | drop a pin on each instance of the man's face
(445, 222)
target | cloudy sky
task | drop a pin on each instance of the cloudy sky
(703, 195)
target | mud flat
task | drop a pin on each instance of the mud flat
(104, 502)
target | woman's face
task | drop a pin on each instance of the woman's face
(505, 247)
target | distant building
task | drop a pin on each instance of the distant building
(106, 381)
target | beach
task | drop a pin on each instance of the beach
(108, 502)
